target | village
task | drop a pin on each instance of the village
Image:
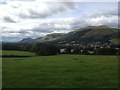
(76, 47)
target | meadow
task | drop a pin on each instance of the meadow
(59, 71)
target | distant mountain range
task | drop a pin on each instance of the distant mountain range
(88, 34)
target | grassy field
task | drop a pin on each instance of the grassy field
(19, 53)
(60, 71)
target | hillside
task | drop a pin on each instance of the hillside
(91, 34)
(26, 40)
(88, 34)
(49, 37)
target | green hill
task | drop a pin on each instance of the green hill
(91, 34)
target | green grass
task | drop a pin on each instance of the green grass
(60, 71)
(19, 53)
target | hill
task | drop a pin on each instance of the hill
(87, 34)
(91, 34)
(26, 40)
(49, 37)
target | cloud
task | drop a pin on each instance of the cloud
(107, 17)
(16, 32)
(43, 10)
(107, 13)
(8, 19)
(110, 21)
(2, 2)
(16, 10)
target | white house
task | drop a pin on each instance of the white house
(63, 50)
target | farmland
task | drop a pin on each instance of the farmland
(59, 71)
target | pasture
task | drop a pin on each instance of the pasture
(59, 71)
(9, 53)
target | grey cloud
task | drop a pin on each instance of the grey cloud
(3, 27)
(3, 2)
(35, 14)
(40, 29)
(70, 5)
(21, 31)
(8, 19)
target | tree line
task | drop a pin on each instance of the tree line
(46, 49)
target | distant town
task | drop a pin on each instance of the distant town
(88, 48)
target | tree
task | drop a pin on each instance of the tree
(45, 49)
(105, 51)
(68, 49)
(11, 46)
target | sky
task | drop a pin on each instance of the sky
(36, 18)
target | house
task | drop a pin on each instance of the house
(63, 50)
(72, 50)
(90, 52)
